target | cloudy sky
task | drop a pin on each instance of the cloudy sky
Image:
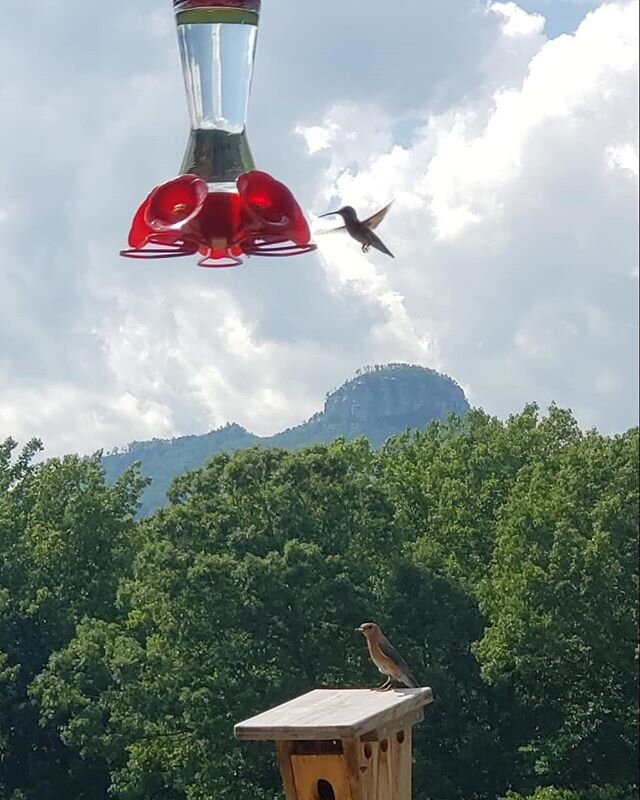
(507, 135)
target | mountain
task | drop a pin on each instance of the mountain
(379, 402)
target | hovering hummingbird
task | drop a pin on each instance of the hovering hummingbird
(362, 231)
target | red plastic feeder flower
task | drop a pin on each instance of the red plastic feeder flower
(183, 217)
(220, 207)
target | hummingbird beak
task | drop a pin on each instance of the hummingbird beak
(329, 214)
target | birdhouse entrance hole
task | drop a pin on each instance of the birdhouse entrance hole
(325, 790)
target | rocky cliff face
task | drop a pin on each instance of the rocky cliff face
(382, 401)
(395, 392)
(379, 402)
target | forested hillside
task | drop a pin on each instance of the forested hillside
(501, 558)
(379, 402)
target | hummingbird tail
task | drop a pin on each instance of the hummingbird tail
(383, 248)
(376, 241)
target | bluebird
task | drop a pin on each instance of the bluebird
(362, 231)
(386, 658)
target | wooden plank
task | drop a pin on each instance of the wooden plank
(391, 728)
(353, 757)
(286, 770)
(369, 771)
(310, 770)
(401, 763)
(333, 714)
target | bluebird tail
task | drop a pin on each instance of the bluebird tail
(410, 681)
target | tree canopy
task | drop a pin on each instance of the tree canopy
(500, 557)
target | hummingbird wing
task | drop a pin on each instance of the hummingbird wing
(375, 219)
(330, 230)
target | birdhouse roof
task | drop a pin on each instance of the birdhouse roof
(334, 714)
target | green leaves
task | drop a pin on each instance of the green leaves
(561, 602)
(500, 558)
(65, 544)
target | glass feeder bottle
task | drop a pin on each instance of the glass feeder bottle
(217, 41)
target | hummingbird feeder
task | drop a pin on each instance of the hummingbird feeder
(220, 206)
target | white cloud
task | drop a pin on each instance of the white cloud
(510, 158)
(516, 21)
(624, 157)
(317, 137)
(515, 234)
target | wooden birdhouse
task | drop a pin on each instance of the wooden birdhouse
(343, 744)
